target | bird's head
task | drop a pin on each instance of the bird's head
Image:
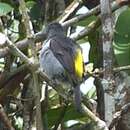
(54, 28)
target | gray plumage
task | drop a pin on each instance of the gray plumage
(49, 63)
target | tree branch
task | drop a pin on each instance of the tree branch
(100, 124)
(17, 52)
(97, 72)
(91, 27)
(107, 37)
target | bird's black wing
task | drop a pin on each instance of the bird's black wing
(63, 49)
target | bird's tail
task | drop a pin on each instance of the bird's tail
(77, 98)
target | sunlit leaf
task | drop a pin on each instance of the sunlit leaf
(71, 114)
(34, 10)
(122, 38)
(122, 33)
(5, 9)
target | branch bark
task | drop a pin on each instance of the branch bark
(107, 81)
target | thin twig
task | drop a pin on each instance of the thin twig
(117, 69)
(101, 124)
(97, 72)
(17, 52)
(69, 10)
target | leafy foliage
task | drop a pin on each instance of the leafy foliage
(122, 38)
(5, 9)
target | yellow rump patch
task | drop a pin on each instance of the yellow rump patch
(79, 69)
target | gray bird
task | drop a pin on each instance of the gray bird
(62, 60)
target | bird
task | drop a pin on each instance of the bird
(61, 59)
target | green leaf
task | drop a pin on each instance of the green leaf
(122, 38)
(122, 54)
(71, 114)
(30, 4)
(122, 31)
(5, 9)
(34, 10)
